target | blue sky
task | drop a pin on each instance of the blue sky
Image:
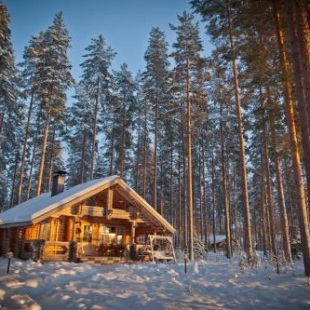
(125, 25)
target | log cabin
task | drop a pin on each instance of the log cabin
(97, 222)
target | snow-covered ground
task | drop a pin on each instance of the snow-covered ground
(215, 283)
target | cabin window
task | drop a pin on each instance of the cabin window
(88, 233)
(45, 230)
(110, 235)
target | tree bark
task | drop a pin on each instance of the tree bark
(23, 158)
(43, 152)
(51, 160)
(225, 192)
(189, 166)
(247, 222)
(145, 152)
(270, 203)
(281, 198)
(93, 148)
(83, 154)
(299, 31)
(289, 108)
(156, 133)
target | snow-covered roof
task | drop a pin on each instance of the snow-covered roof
(35, 209)
(38, 206)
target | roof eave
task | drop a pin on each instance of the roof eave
(16, 224)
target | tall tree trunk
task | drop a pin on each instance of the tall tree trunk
(145, 152)
(173, 209)
(300, 192)
(136, 171)
(263, 217)
(183, 184)
(111, 170)
(246, 206)
(270, 203)
(213, 203)
(83, 155)
(181, 234)
(225, 193)
(161, 208)
(94, 142)
(43, 152)
(300, 38)
(23, 158)
(204, 191)
(51, 160)
(122, 142)
(31, 170)
(200, 187)
(14, 178)
(156, 133)
(189, 167)
(281, 198)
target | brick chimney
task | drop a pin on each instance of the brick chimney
(58, 182)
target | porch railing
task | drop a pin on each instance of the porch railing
(58, 251)
(49, 250)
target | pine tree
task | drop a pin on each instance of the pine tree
(54, 78)
(156, 78)
(96, 79)
(79, 121)
(10, 110)
(187, 49)
(298, 27)
(223, 28)
(29, 85)
(124, 107)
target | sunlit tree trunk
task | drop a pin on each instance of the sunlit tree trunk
(51, 159)
(225, 192)
(201, 215)
(281, 198)
(205, 211)
(83, 155)
(189, 167)
(300, 192)
(23, 157)
(111, 168)
(122, 140)
(213, 203)
(94, 134)
(156, 134)
(14, 178)
(246, 207)
(299, 31)
(145, 149)
(269, 198)
(31, 170)
(181, 234)
(43, 152)
(263, 217)
(300, 38)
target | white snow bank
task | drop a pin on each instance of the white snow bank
(213, 284)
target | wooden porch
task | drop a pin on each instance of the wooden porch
(96, 221)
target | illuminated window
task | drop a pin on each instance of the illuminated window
(110, 235)
(45, 231)
(88, 233)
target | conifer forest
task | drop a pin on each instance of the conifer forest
(217, 143)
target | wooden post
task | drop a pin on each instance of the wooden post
(74, 224)
(133, 232)
(109, 208)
